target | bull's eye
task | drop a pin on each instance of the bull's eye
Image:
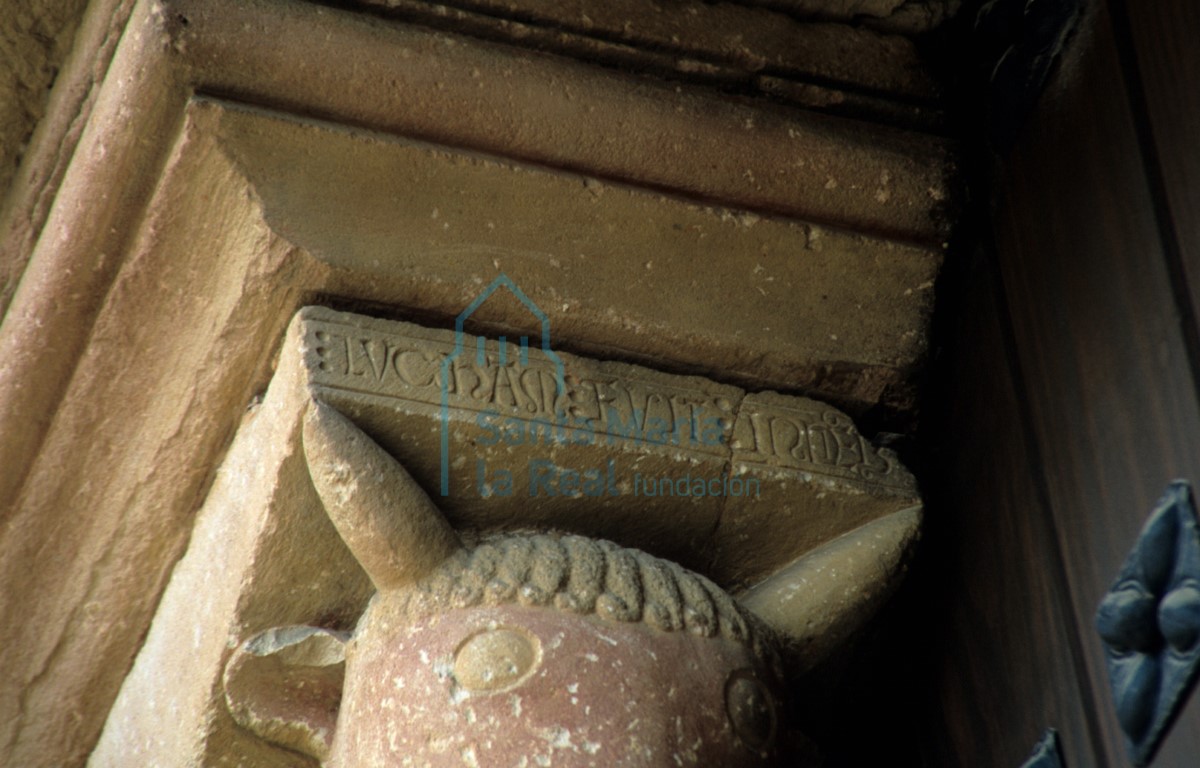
(495, 659)
(751, 710)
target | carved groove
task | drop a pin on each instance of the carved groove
(615, 583)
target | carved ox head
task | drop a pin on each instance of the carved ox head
(516, 650)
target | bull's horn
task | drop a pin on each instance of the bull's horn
(390, 524)
(818, 601)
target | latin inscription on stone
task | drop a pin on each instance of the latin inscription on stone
(511, 393)
(779, 431)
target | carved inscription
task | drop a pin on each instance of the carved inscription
(772, 431)
(511, 393)
(510, 389)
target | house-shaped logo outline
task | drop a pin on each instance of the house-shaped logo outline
(502, 280)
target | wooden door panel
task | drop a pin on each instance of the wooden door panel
(1165, 56)
(1110, 388)
(1008, 662)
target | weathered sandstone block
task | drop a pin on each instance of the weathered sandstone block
(813, 542)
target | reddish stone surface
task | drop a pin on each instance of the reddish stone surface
(527, 687)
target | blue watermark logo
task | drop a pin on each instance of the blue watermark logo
(638, 413)
(503, 281)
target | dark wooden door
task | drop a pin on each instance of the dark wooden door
(1070, 401)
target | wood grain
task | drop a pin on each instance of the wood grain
(1163, 36)
(1005, 664)
(1096, 324)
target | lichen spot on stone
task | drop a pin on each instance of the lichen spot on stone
(496, 659)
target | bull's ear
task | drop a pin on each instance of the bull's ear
(818, 601)
(285, 685)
